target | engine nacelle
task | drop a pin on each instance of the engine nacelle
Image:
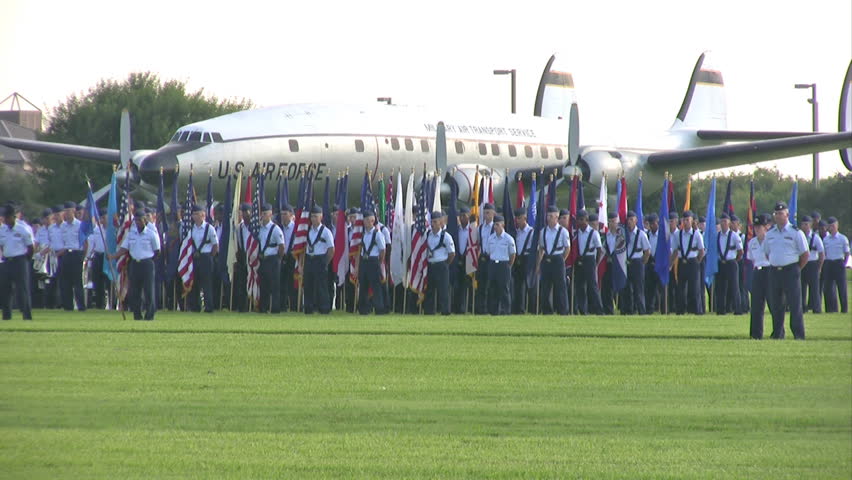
(464, 175)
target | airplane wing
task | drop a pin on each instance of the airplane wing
(722, 156)
(104, 155)
(746, 136)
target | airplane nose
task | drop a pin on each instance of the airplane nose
(149, 168)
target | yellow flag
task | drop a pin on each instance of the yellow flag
(688, 194)
(474, 205)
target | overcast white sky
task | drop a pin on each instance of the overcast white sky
(631, 60)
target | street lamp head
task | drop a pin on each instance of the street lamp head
(384, 99)
(804, 85)
(504, 72)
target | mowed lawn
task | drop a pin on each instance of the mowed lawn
(251, 396)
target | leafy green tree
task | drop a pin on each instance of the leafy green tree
(157, 108)
(20, 187)
(833, 198)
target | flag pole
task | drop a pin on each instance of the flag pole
(106, 248)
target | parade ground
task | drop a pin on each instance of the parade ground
(89, 395)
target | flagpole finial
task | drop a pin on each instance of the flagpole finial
(190, 168)
(161, 170)
(640, 174)
(114, 168)
(533, 175)
(209, 171)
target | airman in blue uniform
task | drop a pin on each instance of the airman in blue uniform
(501, 250)
(787, 249)
(553, 248)
(811, 292)
(760, 280)
(836, 256)
(440, 251)
(16, 249)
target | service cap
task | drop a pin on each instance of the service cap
(437, 214)
(499, 219)
(779, 206)
(69, 204)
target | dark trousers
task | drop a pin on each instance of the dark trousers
(238, 285)
(16, 273)
(634, 294)
(835, 285)
(269, 275)
(316, 282)
(607, 293)
(759, 287)
(811, 293)
(520, 292)
(653, 289)
(743, 297)
(499, 295)
(71, 280)
(587, 294)
(553, 280)
(370, 296)
(482, 281)
(349, 293)
(728, 288)
(99, 280)
(142, 283)
(785, 282)
(688, 284)
(462, 286)
(289, 293)
(437, 289)
(202, 283)
(218, 284)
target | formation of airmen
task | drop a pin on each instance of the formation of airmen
(48, 263)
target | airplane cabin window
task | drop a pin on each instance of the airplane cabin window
(184, 136)
(294, 146)
(543, 152)
(395, 143)
(175, 137)
(483, 150)
(495, 149)
(558, 153)
(359, 146)
(195, 137)
(424, 146)
(217, 137)
(206, 138)
(528, 151)
(409, 145)
(459, 148)
(513, 151)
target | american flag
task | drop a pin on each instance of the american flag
(417, 278)
(303, 217)
(253, 249)
(123, 223)
(187, 248)
(358, 228)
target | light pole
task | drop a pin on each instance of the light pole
(512, 73)
(815, 113)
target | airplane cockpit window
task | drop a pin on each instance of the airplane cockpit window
(528, 151)
(217, 137)
(175, 137)
(359, 146)
(513, 151)
(460, 148)
(294, 146)
(543, 152)
(195, 137)
(483, 150)
(206, 138)
(424, 146)
(395, 143)
(495, 149)
(409, 145)
(184, 136)
(558, 153)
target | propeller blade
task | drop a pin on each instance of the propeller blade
(124, 138)
(573, 135)
(441, 148)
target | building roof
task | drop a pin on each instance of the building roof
(12, 156)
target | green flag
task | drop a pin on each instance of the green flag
(382, 201)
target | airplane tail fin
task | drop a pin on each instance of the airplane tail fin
(555, 91)
(704, 105)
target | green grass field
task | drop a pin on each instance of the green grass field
(251, 396)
